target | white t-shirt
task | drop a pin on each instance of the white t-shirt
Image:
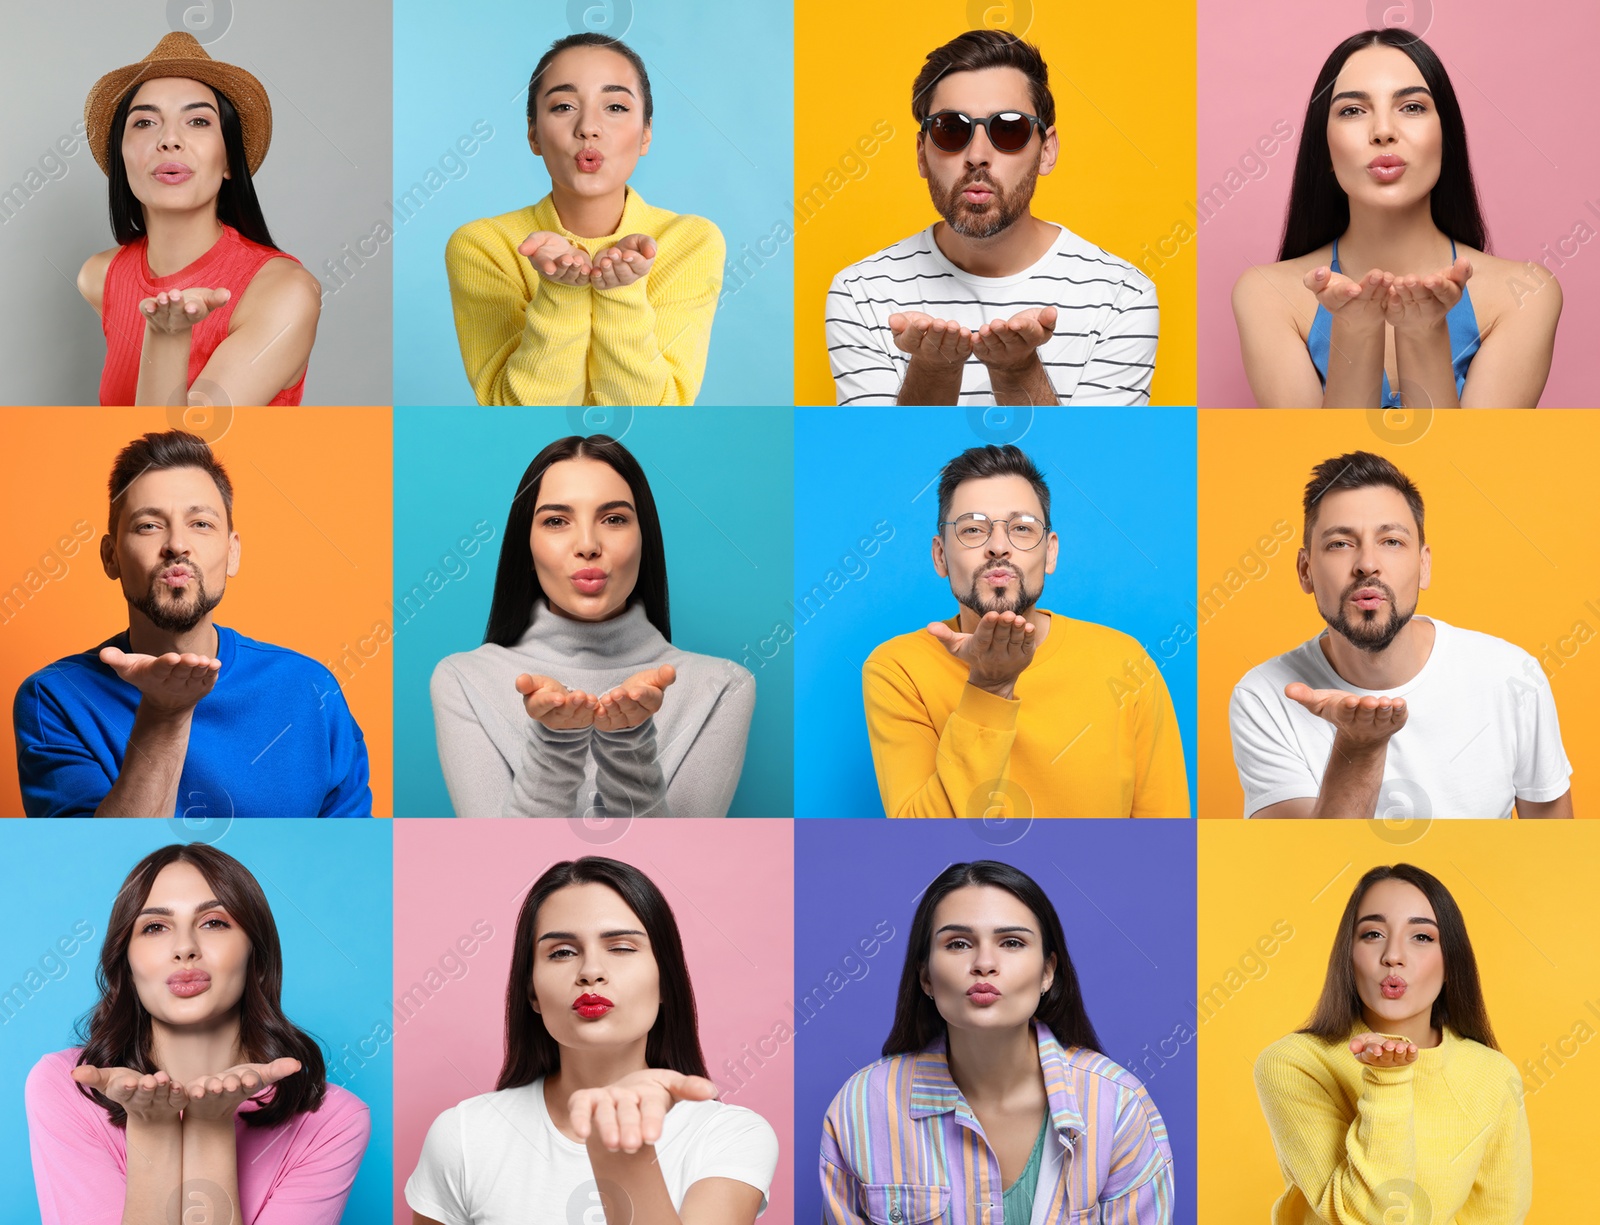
(499, 1160)
(1103, 350)
(1480, 731)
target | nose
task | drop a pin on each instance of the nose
(1394, 953)
(983, 962)
(980, 151)
(587, 544)
(184, 947)
(999, 541)
(591, 973)
(1383, 128)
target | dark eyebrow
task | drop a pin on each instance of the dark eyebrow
(1361, 95)
(151, 510)
(619, 504)
(1378, 918)
(167, 912)
(621, 931)
(187, 106)
(605, 89)
(963, 929)
(1340, 529)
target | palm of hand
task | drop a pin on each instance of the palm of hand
(928, 339)
(174, 311)
(551, 703)
(556, 259)
(635, 700)
(219, 1096)
(1367, 719)
(171, 682)
(1377, 1051)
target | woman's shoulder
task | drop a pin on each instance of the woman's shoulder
(1295, 1052)
(682, 231)
(1506, 288)
(344, 1109)
(92, 276)
(503, 231)
(874, 1088)
(1270, 285)
(711, 667)
(281, 287)
(50, 1082)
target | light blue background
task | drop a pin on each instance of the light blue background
(328, 883)
(1122, 490)
(723, 485)
(721, 77)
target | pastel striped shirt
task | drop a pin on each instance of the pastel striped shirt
(1103, 351)
(900, 1146)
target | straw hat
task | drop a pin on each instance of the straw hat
(181, 55)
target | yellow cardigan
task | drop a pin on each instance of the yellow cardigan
(1090, 733)
(1358, 1144)
(527, 340)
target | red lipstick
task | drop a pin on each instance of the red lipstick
(592, 1007)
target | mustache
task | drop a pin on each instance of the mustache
(1374, 584)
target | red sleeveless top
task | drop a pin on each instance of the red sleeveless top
(231, 264)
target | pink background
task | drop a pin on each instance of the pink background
(731, 886)
(1524, 78)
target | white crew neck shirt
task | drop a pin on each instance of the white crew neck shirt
(1480, 733)
(498, 1159)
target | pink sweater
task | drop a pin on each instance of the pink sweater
(297, 1173)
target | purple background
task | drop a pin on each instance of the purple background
(1125, 891)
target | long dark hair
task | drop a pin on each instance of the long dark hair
(916, 1019)
(516, 586)
(236, 201)
(1460, 1003)
(674, 1039)
(117, 1032)
(1319, 210)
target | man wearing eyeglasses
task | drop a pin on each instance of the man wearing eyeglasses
(990, 305)
(1007, 710)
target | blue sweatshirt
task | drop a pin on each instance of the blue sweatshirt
(273, 738)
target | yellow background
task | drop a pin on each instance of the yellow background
(1527, 893)
(1509, 514)
(1123, 78)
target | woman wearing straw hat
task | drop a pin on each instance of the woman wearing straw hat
(197, 303)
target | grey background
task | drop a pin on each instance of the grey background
(323, 187)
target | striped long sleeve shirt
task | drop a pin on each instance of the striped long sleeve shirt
(1103, 351)
(900, 1146)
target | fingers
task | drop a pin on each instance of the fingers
(605, 1120)
(1317, 279)
(629, 1123)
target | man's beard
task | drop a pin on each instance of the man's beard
(981, 600)
(178, 616)
(1367, 632)
(990, 218)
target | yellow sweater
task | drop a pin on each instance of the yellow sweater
(1443, 1140)
(527, 340)
(1090, 733)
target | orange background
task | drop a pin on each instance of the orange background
(1531, 912)
(312, 506)
(1509, 516)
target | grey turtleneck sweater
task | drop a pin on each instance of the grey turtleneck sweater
(683, 761)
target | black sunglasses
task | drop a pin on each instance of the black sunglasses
(1009, 131)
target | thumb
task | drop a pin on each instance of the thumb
(1047, 318)
(942, 632)
(1298, 691)
(647, 247)
(217, 297)
(664, 676)
(113, 657)
(693, 1088)
(275, 1071)
(531, 243)
(898, 323)
(89, 1076)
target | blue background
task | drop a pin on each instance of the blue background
(1127, 555)
(328, 883)
(723, 485)
(722, 83)
(1125, 891)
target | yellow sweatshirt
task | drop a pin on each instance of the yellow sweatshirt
(1444, 1139)
(1090, 733)
(528, 340)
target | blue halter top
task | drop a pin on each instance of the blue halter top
(1462, 322)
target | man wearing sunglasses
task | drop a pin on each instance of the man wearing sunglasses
(991, 305)
(1006, 710)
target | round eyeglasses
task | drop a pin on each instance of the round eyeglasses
(1009, 131)
(974, 529)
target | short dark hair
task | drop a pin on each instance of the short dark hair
(117, 1031)
(976, 463)
(516, 585)
(1460, 1003)
(978, 49)
(172, 449)
(237, 204)
(917, 1021)
(1359, 470)
(588, 39)
(673, 1041)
